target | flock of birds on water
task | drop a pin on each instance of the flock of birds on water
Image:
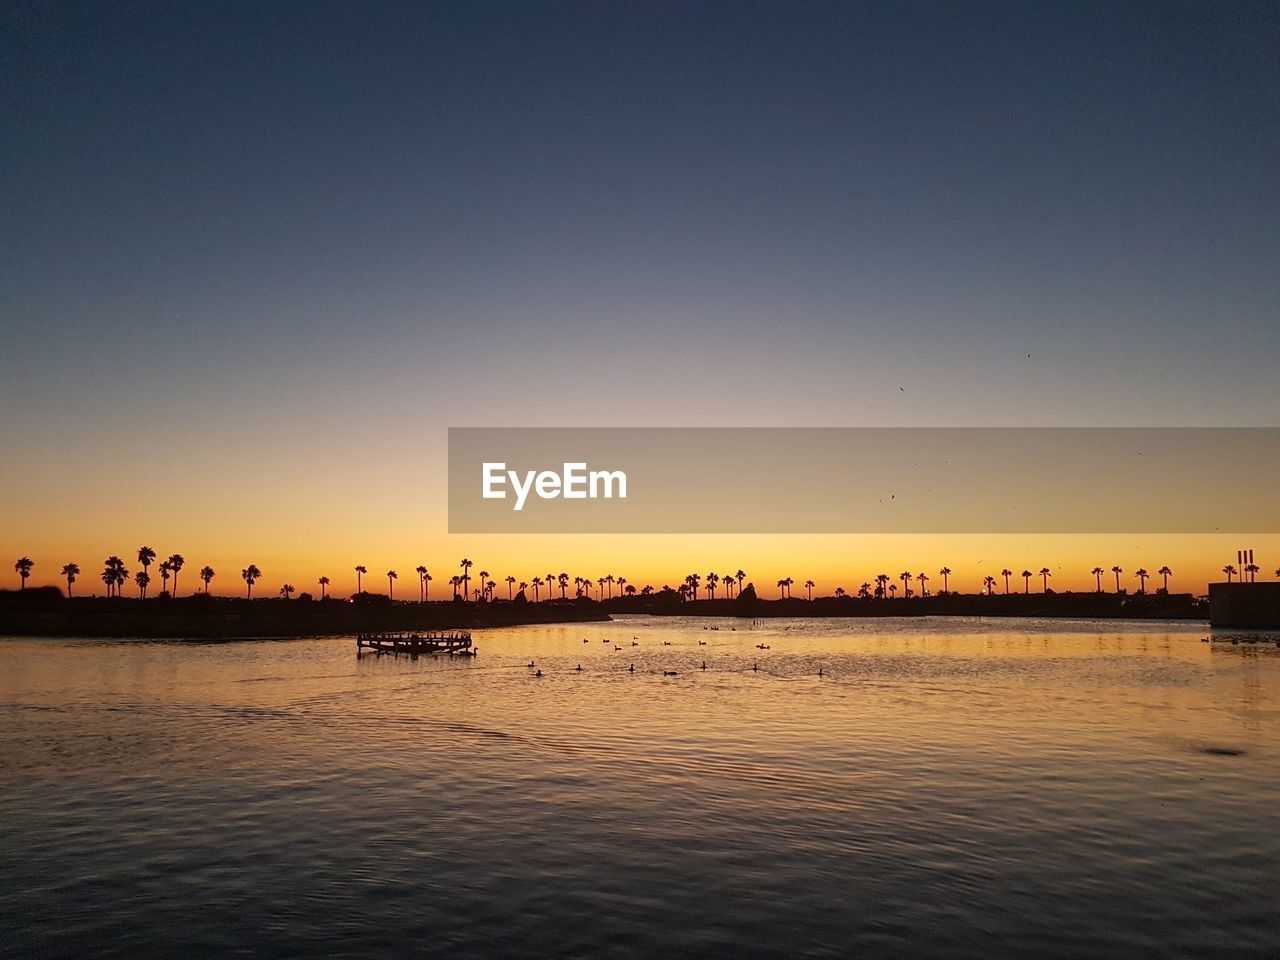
(635, 642)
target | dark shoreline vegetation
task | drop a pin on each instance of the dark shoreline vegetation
(45, 611)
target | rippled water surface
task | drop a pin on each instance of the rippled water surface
(947, 788)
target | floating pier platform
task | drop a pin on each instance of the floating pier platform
(456, 643)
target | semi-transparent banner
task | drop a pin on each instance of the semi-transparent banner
(864, 480)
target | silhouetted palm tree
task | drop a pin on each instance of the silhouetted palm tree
(455, 581)
(484, 587)
(1230, 571)
(563, 580)
(287, 590)
(622, 582)
(610, 579)
(537, 585)
(1117, 571)
(145, 556)
(945, 572)
(882, 584)
(989, 584)
(207, 574)
(905, 577)
(164, 576)
(1166, 573)
(1142, 575)
(1045, 575)
(421, 571)
(740, 576)
(176, 562)
(1097, 575)
(250, 575)
(114, 575)
(521, 587)
(923, 578)
(392, 577)
(70, 571)
(361, 570)
(864, 591)
(466, 565)
(324, 584)
(1252, 570)
(550, 581)
(712, 580)
(694, 581)
(142, 579)
(1026, 580)
(1006, 573)
(839, 591)
(23, 568)
(489, 587)
(510, 582)
(808, 586)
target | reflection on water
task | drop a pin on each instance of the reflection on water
(945, 788)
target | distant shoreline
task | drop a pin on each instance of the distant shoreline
(46, 612)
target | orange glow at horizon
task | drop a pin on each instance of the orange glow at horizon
(290, 554)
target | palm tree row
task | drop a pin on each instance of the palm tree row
(884, 588)
(114, 575)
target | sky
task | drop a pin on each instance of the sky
(255, 259)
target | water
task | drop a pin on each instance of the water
(947, 788)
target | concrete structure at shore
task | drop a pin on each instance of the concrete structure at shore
(1244, 605)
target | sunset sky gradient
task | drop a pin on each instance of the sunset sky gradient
(257, 258)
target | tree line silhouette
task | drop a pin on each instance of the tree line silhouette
(115, 575)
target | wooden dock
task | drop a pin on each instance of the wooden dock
(457, 643)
